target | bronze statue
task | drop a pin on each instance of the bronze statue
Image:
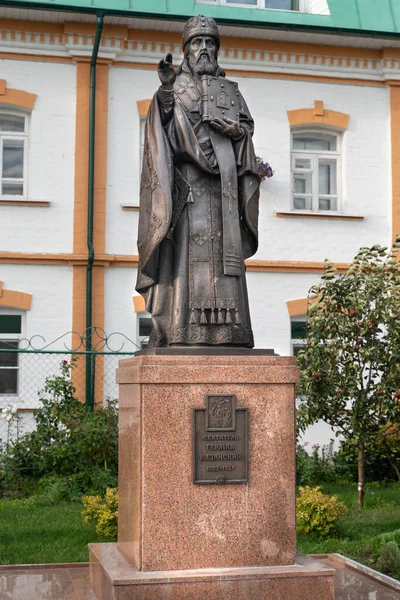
(198, 200)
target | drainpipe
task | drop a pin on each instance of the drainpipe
(90, 372)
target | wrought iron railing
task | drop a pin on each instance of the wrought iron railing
(25, 364)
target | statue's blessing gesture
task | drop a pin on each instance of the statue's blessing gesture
(198, 200)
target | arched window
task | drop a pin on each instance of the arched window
(316, 169)
(13, 154)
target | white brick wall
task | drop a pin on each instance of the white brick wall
(366, 165)
(51, 159)
(119, 311)
(49, 317)
(51, 289)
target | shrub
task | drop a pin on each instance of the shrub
(73, 448)
(317, 513)
(389, 559)
(103, 511)
(380, 461)
(318, 467)
(383, 538)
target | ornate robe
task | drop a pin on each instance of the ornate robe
(198, 222)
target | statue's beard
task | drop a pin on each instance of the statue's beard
(204, 65)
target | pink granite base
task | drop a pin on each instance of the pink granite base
(167, 523)
(113, 578)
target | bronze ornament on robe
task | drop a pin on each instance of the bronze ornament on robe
(198, 205)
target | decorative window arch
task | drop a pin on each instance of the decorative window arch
(14, 299)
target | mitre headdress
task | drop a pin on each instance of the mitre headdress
(200, 25)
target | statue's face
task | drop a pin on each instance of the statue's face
(202, 55)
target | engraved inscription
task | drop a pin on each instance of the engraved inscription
(220, 457)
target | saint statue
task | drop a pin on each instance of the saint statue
(198, 200)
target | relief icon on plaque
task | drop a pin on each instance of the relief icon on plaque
(220, 441)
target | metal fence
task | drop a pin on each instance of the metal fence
(26, 364)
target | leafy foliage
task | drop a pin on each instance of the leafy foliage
(317, 513)
(73, 449)
(103, 511)
(389, 559)
(317, 467)
(382, 460)
(384, 538)
(350, 375)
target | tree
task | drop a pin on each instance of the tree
(350, 365)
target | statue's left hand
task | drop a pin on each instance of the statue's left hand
(227, 126)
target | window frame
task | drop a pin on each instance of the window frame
(142, 340)
(12, 337)
(15, 135)
(304, 5)
(315, 156)
(297, 342)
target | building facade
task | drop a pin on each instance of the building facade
(325, 96)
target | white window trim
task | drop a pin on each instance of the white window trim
(317, 154)
(142, 338)
(304, 5)
(5, 337)
(297, 341)
(15, 135)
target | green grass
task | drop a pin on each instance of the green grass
(356, 530)
(36, 532)
(32, 532)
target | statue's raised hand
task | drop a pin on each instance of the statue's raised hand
(166, 72)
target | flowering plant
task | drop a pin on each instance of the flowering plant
(10, 413)
(72, 450)
(264, 169)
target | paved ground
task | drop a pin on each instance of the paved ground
(72, 583)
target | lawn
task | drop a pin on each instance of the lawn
(32, 532)
(381, 513)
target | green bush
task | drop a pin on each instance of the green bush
(317, 513)
(318, 467)
(103, 511)
(383, 538)
(380, 462)
(72, 451)
(389, 559)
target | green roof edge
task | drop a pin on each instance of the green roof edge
(348, 17)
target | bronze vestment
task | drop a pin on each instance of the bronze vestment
(198, 222)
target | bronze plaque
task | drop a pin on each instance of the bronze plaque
(220, 441)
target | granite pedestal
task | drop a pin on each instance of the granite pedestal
(181, 540)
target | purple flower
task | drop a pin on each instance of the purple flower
(264, 169)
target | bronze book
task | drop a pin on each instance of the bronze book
(220, 98)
